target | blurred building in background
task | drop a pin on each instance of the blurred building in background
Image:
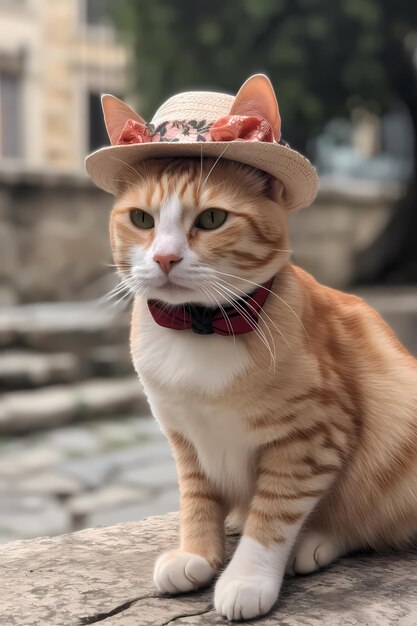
(56, 58)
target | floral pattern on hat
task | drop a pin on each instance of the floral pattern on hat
(227, 128)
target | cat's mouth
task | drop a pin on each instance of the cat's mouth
(173, 292)
(173, 286)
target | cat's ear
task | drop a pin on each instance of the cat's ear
(116, 113)
(277, 193)
(257, 96)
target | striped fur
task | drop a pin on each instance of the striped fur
(304, 431)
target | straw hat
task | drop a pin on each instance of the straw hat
(244, 128)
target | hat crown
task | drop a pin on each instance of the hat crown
(199, 105)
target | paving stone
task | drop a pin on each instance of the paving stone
(74, 440)
(92, 472)
(6, 538)
(109, 360)
(163, 503)
(158, 475)
(19, 503)
(109, 395)
(50, 325)
(109, 497)
(49, 483)
(145, 426)
(115, 433)
(25, 410)
(96, 470)
(32, 516)
(19, 368)
(22, 411)
(14, 465)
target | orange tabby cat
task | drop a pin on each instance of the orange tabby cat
(304, 429)
(289, 407)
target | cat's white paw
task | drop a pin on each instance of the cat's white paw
(244, 597)
(179, 571)
(313, 552)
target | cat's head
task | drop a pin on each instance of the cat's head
(190, 230)
(199, 230)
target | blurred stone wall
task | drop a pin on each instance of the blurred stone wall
(346, 217)
(54, 242)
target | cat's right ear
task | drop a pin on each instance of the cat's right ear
(116, 114)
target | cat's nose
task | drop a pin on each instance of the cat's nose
(166, 261)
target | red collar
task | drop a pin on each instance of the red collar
(233, 320)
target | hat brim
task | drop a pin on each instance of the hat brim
(299, 177)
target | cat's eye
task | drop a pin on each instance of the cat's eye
(141, 219)
(211, 219)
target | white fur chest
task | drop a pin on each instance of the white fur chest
(218, 434)
(186, 377)
(182, 359)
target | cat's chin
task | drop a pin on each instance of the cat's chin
(175, 294)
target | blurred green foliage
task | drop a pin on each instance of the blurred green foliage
(323, 56)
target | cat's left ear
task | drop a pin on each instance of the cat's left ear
(116, 113)
(257, 97)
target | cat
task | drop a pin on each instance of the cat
(304, 430)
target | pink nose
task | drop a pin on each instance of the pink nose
(166, 261)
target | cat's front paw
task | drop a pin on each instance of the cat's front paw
(179, 571)
(244, 597)
(313, 551)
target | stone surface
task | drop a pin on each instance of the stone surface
(157, 475)
(49, 483)
(97, 469)
(98, 472)
(19, 368)
(31, 516)
(26, 462)
(109, 497)
(74, 440)
(63, 325)
(165, 501)
(22, 411)
(105, 575)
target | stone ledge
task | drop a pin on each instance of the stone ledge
(105, 575)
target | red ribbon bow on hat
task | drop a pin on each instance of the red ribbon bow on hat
(227, 128)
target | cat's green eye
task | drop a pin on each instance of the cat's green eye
(211, 219)
(141, 219)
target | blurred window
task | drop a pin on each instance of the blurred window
(97, 11)
(97, 130)
(10, 115)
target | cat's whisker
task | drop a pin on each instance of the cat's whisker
(249, 320)
(122, 290)
(125, 299)
(122, 286)
(255, 327)
(223, 312)
(231, 289)
(214, 165)
(269, 290)
(130, 167)
(253, 324)
(201, 168)
(117, 265)
(236, 296)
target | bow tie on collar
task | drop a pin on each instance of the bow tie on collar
(232, 320)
